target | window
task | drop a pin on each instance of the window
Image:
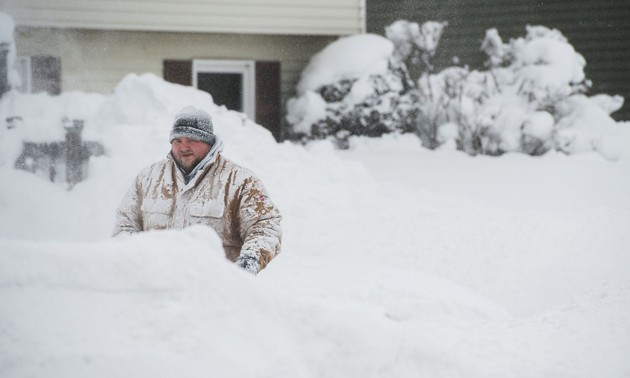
(230, 82)
(256, 83)
(39, 74)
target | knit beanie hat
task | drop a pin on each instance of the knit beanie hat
(193, 123)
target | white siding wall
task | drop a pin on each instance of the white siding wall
(95, 61)
(293, 17)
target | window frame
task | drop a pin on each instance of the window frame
(247, 68)
(25, 71)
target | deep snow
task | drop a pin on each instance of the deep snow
(397, 261)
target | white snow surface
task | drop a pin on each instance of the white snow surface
(397, 261)
(347, 58)
(6, 28)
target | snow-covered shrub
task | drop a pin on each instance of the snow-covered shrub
(489, 119)
(527, 100)
(415, 44)
(355, 86)
(531, 98)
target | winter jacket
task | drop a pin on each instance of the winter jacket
(223, 195)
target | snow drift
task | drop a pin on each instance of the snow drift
(397, 261)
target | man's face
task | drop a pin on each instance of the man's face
(188, 152)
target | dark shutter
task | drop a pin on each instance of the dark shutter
(268, 97)
(46, 74)
(178, 71)
(4, 68)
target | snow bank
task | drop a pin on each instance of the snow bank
(168, 302)
(585, 125)
(7, 26)
(397, 261)
(133, 125)
(155, 304)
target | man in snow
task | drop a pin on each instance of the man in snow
(195, 184)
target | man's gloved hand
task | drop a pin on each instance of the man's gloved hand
(248, 263)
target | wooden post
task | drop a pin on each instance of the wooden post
(74, 153)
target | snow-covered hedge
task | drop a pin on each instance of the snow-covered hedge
(348, 89)
(531, 98)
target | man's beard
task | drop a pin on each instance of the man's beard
(187, 162)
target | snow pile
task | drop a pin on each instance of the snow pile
(397, 261)
(7, 26)
(585, 125)
(41, 118)
(438, 274)
(157, 304)
(133, 125)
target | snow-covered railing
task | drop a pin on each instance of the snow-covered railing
(60, 162)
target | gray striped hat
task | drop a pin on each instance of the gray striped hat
(193, 123)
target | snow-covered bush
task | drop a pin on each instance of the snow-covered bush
(488, 118)
(355, 86)
(360, 85)
(415, 44)
(527, 101)
(531, 98)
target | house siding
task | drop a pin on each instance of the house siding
(599, 30)
(288, 17)
(96, 60)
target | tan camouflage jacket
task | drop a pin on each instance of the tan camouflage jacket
(223, 195)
